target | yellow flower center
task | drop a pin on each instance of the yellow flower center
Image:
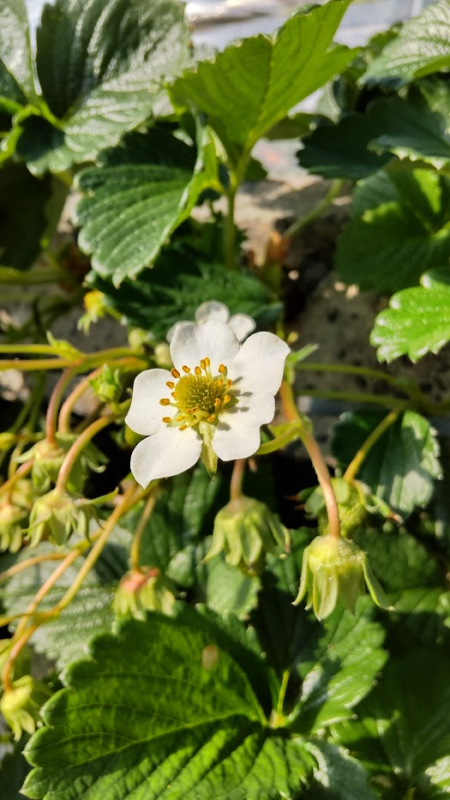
(198, 395)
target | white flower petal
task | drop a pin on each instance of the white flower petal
(212, 309)
(238, 430)
(174, 328)
(242, 326)
(259, 365)
(164, 454)
(213, 340)
(146, 413)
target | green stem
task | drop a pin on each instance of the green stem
(77, 449)
(355, 397)
(237, 478)
(11, 276)
(317, 211)
(140, 529)
(283, 689)
(364, 450)
(280, 441)
(349, 369)
(55, 401)
(323, 476)
(229, 232)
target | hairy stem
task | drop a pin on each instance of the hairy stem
(364, 450)
(237, 478)
(229, 232)
(331, 195)
(30, 562)
(55, 401)
(317, 459)
(71, 400)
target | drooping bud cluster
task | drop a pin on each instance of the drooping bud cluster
(336, 569)
(14, 511)
(246, 530)
(22, 704)
(352, 501)
(58, 514)
(48, 458)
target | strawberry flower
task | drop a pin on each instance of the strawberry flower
(242, 325)
(210, 405)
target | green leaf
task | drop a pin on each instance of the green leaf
(250, 87)
(142, 190)
(401, 466)
(417, 129)
(337, 775)
(178, 284)
(387, 247)
(421, 47)
(341, 150)
(420, 619)
(101, 67)
(226, 589)
(13, 771)
(403, 732)
(399, 560)
(187, 725)
(65, 638)
(25, 204)
(417, 321)
(16, 72)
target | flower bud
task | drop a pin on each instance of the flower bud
(48, 459)
(13, 524)
(143, 590)
(107, 386)
(336, 569)
(96, 307)
(351, 500)
(162, 356)
(245, 530)
(22, 704)
(8, 440)
(57, 515)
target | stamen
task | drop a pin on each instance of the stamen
(223, 369)
(198, 371)
(229, 383)
(207, 362)
(182, 427)
(203, 364)
(172, 394)
(175, 373)
(186, 370)
(167, 419)
(164, 402)
(170, 384)
(217, 402)
(219, 382)
(226, 399)
(211, 418)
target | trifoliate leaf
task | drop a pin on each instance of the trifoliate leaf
(142, 190)
(421, 47)
(402, 734)
(401, 466)
(178, 284)
(251, 86)
(161, 711)
(95, 93)
(417, 321)
(388, 246)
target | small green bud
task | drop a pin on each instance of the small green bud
(8, 440)
(21, 705)
(48, 459)
(96, 307)
(107, 386)
(245, 530)
(57, 515)
(351, 499)
(162, 356)
(143, 590)
(138, 338)
(336, 569)
(13, 524)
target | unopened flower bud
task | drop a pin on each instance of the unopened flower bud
(245, 530)
(48, 458)
(143, 590)
(96, 307)
(351, 499)
(13, 524)
(162, 355)
(107, 386)
(336, 569)
(21, 705)
(7, 440)
(57, 515)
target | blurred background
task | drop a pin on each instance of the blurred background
(218, 22)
